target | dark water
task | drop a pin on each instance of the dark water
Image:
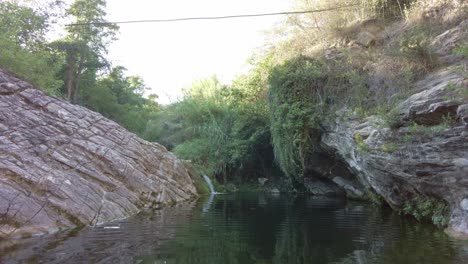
(255, 228)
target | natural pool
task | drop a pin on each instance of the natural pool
(248, 228)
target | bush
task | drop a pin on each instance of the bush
(38, 68)
(297, 105)
(224, 130)
(427, 209)
(361, 145)
(22, 46)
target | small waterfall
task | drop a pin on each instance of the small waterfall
(210, 184)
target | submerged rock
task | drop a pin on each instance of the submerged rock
(274, 190)
(62, 165)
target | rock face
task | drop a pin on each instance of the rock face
(425, 154)
(62, 165)
(415, 155)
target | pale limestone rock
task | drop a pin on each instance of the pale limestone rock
(62, 165)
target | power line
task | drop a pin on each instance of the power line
(210, 18)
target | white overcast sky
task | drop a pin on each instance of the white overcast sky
(169, 56)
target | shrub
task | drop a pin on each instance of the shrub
(223, 129)
(22, 46)
(427, 209)
(389, 147)
(361, 145)
(298, 104)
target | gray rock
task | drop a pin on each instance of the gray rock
(62, 165)
(274, 190)
(351, 189)
(366, 39)
(462, 113)
(262, 181)
(444, 44)
(321, 187)
(434, 164)
(435, 101)
(464, 204)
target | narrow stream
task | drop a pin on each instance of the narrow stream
(249, 228)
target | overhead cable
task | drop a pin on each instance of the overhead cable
(209, 17)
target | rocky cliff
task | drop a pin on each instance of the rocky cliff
(416, 156)
(62, 165)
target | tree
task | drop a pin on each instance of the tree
(22, 25)
(23, 47)
(121, 98)
(85, 46)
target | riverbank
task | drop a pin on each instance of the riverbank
(64, 166)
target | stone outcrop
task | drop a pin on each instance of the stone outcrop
(425, 155)
(62, 165)
(416, 153)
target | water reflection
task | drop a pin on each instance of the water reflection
(207, 205)
(251, 229)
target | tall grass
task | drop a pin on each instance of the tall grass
(223, 129)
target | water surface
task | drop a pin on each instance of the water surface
(248, 228)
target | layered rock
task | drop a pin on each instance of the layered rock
(426, 156)
(62, 165)
(415, 155)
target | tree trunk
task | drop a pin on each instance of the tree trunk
(70, 83)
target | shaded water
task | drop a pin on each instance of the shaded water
(254, 228)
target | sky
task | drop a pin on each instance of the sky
(170, 56)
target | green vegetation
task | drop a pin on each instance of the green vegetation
(276, 111)
(268, 122)
(389, 147)
(361, 145)
(461, 50)
(416, 129)
(296, 99)
(375, 198)
(225, 130)
(427, 209)
(458, 91)
(199, 182)
(23, 48)
(74, 67)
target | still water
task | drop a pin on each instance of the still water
(248, 228)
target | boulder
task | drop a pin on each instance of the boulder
(440, 97)
(63, 166)
(322, 187)
(462, 113)
(444, 44)
(366, 39)
(274, 190)
(262, 181)
(352, 189)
